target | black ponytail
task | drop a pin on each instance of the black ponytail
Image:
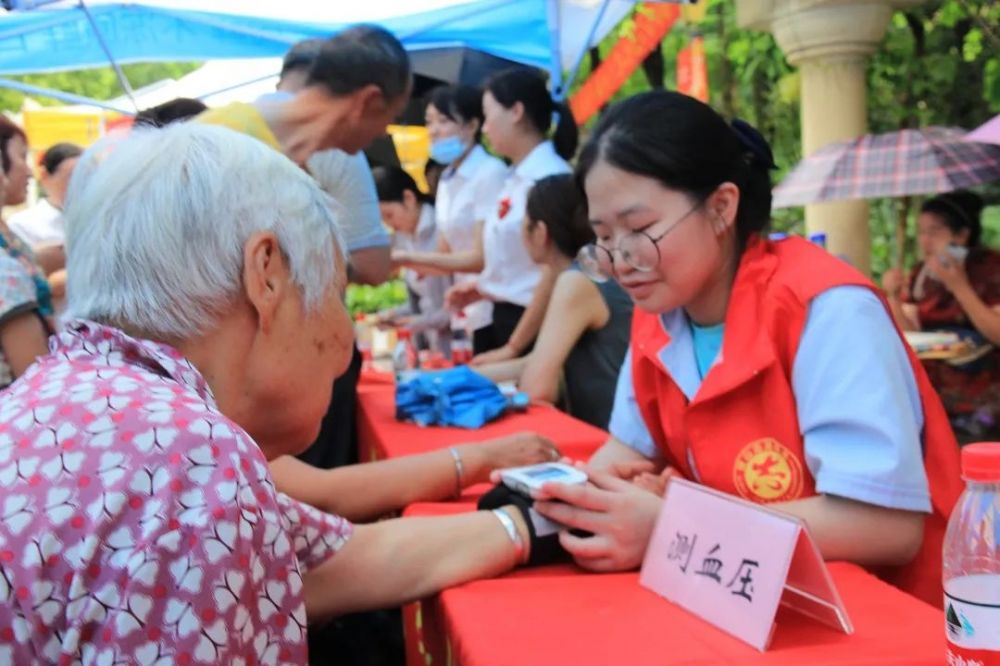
(528, 87)
(392, 182)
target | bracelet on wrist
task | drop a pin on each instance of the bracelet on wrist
(459, 470)
(515, 537)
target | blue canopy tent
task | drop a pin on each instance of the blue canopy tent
(44, 36)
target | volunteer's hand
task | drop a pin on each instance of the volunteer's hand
(462, 295)
(619, 514)
(656, 483)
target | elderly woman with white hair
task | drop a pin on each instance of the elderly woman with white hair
(140, 522)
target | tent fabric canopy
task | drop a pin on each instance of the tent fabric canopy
(549, 34)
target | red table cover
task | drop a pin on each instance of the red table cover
(380, 435)
(561, 615)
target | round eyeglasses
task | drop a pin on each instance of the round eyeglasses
(637, 249)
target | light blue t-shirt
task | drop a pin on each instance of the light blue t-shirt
(856, 398)
(707, 345)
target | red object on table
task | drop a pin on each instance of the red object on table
(381, 436)
(561, 615)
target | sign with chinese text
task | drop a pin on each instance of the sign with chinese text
(732, 563)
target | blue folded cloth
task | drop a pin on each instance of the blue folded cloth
(455, 397)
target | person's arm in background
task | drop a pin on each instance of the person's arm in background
(23, 337)
(57, 283)
(370, 490)
(985, 318)
(50, 256)
(370, 265)
(444, 263)
(347, 179)
(905, 314)
(576, 306)
(528, 325)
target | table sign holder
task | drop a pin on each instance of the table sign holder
(733, 563)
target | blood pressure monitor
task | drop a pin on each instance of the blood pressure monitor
(524, 480)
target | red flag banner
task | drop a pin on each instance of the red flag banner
(692, 72)
(652, 22)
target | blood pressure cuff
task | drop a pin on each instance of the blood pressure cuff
(545, 546)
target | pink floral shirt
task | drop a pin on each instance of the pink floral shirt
(138, 525)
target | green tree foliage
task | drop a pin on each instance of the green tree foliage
(939, 65)
(98, 83)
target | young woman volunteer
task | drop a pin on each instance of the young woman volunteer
(585, 334)
(518, 113)
(410, 214)
(466, 192)
(772, 371)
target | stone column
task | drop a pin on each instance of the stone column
(829, 41)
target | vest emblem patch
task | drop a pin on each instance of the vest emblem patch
(766, 471)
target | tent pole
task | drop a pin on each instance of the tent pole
(122, 79)
(555, 42)
(575, 70)
(55, 94)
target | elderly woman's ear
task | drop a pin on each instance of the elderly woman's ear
(266, 276)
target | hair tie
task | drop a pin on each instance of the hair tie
(758, 152)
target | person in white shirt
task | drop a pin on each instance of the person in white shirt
(43, 223)
(466, 193)
(410, 214)
(518, 113)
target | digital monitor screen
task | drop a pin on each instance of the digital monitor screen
(545, 473)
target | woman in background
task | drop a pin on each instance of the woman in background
(410, 214)
(518, 114)
(25, 297)
(956, 287)
(585, 333)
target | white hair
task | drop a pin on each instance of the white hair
(157, 221)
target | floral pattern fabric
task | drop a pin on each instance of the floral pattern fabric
(138, 524)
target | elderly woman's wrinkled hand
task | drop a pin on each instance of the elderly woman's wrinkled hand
(524, 448)
(619, 515)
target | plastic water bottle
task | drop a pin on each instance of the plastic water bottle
(461, 343)
(405, 358)
(972, 562)
(363, 338)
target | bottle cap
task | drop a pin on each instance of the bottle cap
(404, 334)
(981, 462)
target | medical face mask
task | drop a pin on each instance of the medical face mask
(447, 150)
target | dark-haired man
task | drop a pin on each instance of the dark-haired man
(358, 83)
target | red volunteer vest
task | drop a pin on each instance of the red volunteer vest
(740, 434)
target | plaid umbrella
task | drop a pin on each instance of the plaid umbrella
(897, 164)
